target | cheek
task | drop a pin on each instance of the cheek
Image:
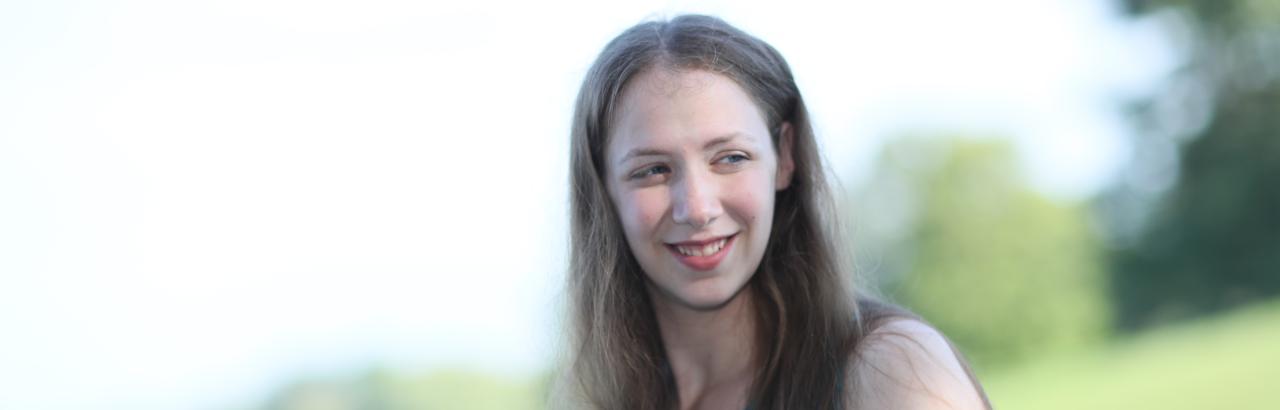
(752, 198)
(642, 211)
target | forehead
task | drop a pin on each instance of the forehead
(666, 109)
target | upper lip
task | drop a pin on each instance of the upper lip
(700, 242)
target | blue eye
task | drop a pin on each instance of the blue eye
(733, 158)
(650, 171)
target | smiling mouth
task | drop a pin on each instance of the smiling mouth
(702, 250)
(702, 255)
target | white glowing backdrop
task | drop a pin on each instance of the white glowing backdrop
(201, 200)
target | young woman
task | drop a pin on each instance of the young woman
(705, 272)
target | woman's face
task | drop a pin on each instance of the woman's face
(693, 173)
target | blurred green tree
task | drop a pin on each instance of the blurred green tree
(1003, 271)
(1194, 222)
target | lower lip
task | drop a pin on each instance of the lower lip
(706, 262)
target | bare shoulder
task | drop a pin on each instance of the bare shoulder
(907, 364)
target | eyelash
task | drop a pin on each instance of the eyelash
(741, 156)
(649, 171)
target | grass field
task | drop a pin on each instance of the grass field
(1230, 361)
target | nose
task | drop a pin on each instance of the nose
(696, 200)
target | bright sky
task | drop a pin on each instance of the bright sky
(199, 202)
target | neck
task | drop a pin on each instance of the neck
(711, 352)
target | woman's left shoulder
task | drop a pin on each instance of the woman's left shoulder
(907, 364)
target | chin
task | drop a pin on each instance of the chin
(709, 296)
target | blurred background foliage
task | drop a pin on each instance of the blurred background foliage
(958, 209)
(1159, 292)
(1196, 219)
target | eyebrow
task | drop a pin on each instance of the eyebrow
(641, 152)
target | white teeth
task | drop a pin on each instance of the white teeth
(709, 249)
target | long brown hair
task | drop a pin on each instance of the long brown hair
(807, 320)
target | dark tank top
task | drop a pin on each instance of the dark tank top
(839, 395)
